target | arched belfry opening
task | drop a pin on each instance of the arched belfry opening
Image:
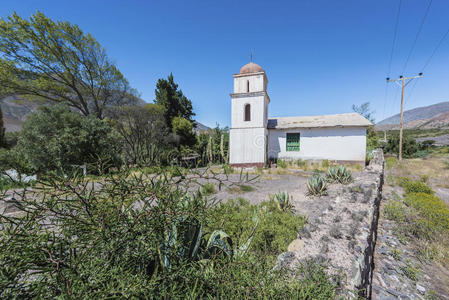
(247, 112)
(247, 86)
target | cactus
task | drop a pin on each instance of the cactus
(222, 148)
(209, 150)
(284, 201)
(339, 174)
(316, 185)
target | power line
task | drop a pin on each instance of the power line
(391, 53)
(417, 35)
(394, 36)
(435, 50)
(428, 60)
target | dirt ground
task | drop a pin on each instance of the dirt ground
(268, 184)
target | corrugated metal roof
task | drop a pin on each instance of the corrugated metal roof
(338, 120)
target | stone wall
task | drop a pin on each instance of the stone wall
(343, 237)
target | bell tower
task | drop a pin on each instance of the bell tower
(248, 133)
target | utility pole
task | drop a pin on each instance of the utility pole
(403, 82)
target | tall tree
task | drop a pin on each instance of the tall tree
(372, 141)
(2, 131)
(174, 101)
(143, 132)
(55, 61)
(365, 111)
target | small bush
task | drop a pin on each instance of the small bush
(227, 169)
(415, 187)
(282, 163)
(391, 162)
(208, 188)
(302, 164)
(395, 210)
(325, 164)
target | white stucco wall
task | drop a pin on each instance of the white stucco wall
(247, 145)
(259, 105)
(348, 144)
(257, 83)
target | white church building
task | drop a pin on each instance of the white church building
(256, 138)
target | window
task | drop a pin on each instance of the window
(247, 86)
(292, 141)
(247, 112)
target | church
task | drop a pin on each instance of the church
(256, 139)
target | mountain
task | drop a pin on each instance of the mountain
(15, 111)
(426, 117)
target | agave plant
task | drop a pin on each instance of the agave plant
(184, 237)
(339, 174)
(284, 201)
(316, 185)
(221, 243)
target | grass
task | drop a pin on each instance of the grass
(241, 189)
(410, 271)
(208, 189)
(422, 217)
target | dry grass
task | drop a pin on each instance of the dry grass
(432, 168)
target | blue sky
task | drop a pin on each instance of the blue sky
(320, 56)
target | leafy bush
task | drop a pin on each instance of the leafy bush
(56, 138)
(316, 185)
(325, 163)
(339, 174)
(275, 231)
(432, 209)
(415, 186)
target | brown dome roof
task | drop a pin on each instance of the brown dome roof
(250, 68)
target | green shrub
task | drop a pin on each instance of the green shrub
(282, 163)
(302, 164)
(275, 231)
(433, 211)
(325, 163)
(339, 174)
(415, 186)
(316, 185)
(246, 188)
(208, 188)
(395, 210)
(391, 162)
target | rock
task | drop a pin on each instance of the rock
(295, 245)
(304, 233)
(284, 260)
(420, 289)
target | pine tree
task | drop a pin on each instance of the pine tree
(176, 104)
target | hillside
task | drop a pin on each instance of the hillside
(426, 117)
(16, 110)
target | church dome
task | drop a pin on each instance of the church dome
(250, 68)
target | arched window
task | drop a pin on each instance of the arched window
(247, 112)
(247, 86)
